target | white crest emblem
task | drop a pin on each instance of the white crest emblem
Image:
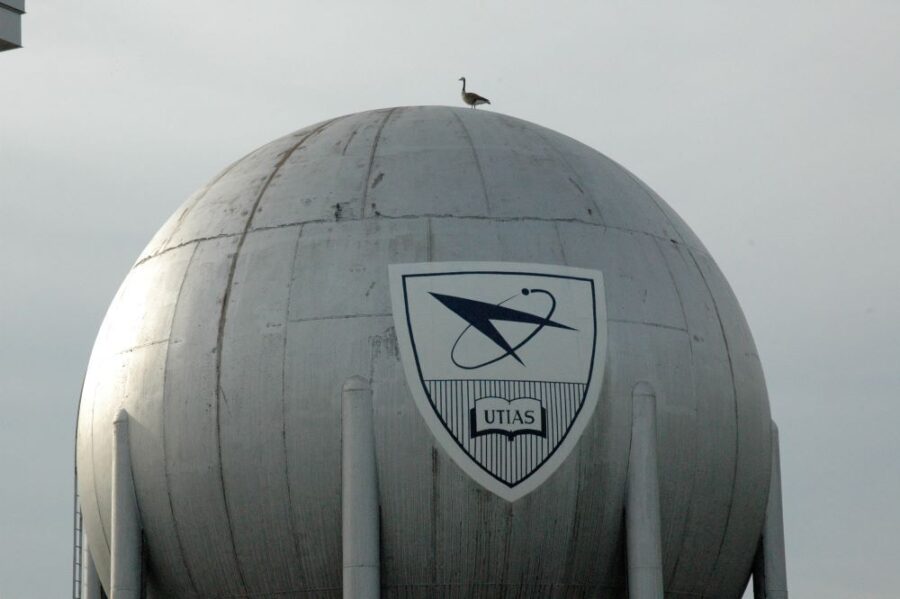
(504, 360)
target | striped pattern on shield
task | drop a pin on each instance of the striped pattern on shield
(507, 440)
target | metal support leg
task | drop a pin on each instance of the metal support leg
(769, 568)
(90, 581)
(645, 575)
(359, 501)
(125, 551)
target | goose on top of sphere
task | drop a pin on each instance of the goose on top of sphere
(471, 98)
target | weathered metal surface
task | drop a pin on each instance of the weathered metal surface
(230, 339)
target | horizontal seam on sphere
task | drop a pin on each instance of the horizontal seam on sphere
(433, 585)
(337, 317)
(503, 585)
(649, 194)
(134, 348)
(658, 325)
(272, 593)
(184, 244)
(420, 216)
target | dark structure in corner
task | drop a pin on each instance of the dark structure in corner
(11, 12)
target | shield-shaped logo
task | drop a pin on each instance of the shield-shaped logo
(504, 360)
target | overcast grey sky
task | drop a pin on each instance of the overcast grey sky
(772, 128)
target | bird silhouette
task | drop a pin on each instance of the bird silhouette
(471, 98)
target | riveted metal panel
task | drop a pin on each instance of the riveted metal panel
(161, 238)
(683, 231)
(251, 407)
(143, 394)
(146, 382)
(191, 435)
(401, 437)
(423, 166)
(753, 444)
(326, 181)
(357, 253)
(543, 521)
(712, 480)
(139, 320)
(225, 207)
(638, 286)
(521, 241)
(608, 183)
(313, 424)
(523, 176)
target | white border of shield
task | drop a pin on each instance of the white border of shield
(441, 434)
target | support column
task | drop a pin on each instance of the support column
(642, 516)
(770, 567)
(359, 493)
(125, 550)
(90, 581)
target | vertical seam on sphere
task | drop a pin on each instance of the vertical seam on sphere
(350, 139)
(736, 419)
(574, 528)
(562, 159)
(487, 200)
(365, 195)
(188, 209)
(646, 191)
(221, 334)
(690, 509)
(287, 463)
(165, 402)
(435, 512)
(507, 520)
(430, 239)
(562, 248)
(656, 241)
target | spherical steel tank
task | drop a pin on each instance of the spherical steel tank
(230, 338)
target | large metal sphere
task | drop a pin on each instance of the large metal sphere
(270, 285)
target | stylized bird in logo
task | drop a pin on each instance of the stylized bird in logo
(480, 315)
